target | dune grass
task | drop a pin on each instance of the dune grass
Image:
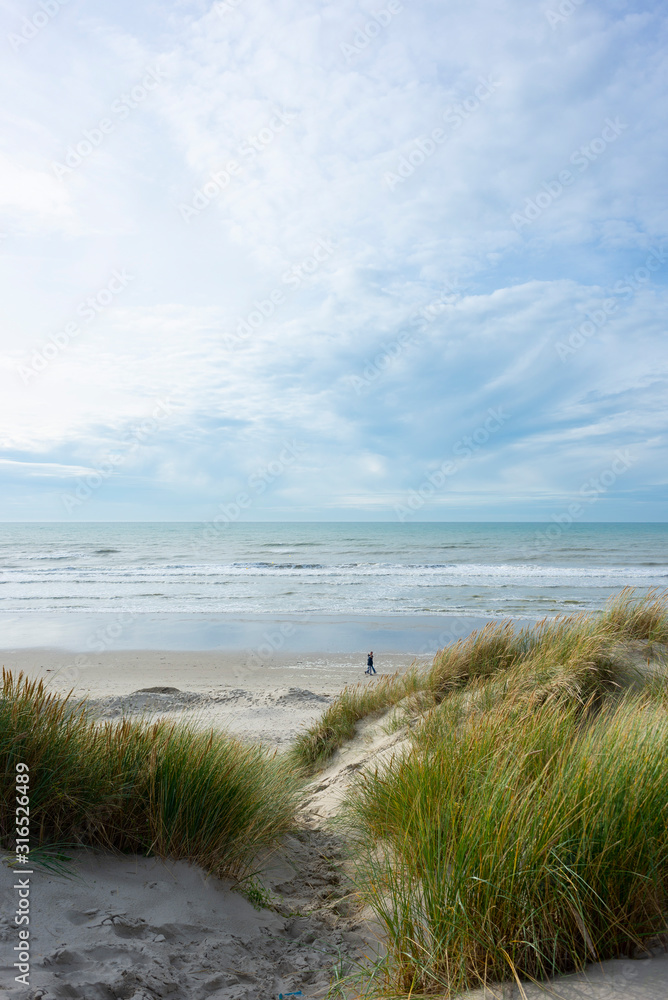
(337, 723)
(582, 646)
(575, 656)
(633, 616)
(151, 788)
(516, 844)
(523, 830)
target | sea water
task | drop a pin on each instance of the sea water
(53, 575)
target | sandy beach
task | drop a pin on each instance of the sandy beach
(332, 337)
(141, 929)
(268, 699)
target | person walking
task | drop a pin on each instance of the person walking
(370, 669)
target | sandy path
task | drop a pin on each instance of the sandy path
(141, 929)
(131, 927)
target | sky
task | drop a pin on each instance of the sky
(366, 260)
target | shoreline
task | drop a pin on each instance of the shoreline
(121, 672)
(261, 634)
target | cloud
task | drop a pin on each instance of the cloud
(46, 470)
(32, 195)
(461, 275)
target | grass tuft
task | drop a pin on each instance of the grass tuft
(524, 830)
(631, 616)
(521, 831)
(483, 653)
(152, 788)
(516, 844)
(566, 658)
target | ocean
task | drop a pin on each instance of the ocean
(213, 581)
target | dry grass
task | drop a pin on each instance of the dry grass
(577, 657)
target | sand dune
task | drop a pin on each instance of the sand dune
(132, 928)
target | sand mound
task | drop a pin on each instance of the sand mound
(158, 690)
(301, 695)
(145, 701)
(274, 716)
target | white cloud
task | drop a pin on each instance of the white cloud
(315, 134)
(33, 195)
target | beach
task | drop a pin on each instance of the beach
(138, 928)
(333, 534)
(142, 928)
(255, 636)
(268, 699)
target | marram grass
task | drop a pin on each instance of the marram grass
(568, 657)
(151, 788)
(587, 649)
(522, 831)
(517, 844)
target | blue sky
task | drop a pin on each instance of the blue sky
(363, 260)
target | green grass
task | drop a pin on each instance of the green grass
(521, 831)
(637, 617)
(524, 830)
(151, 788)
(515, 844)
(583, 649)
